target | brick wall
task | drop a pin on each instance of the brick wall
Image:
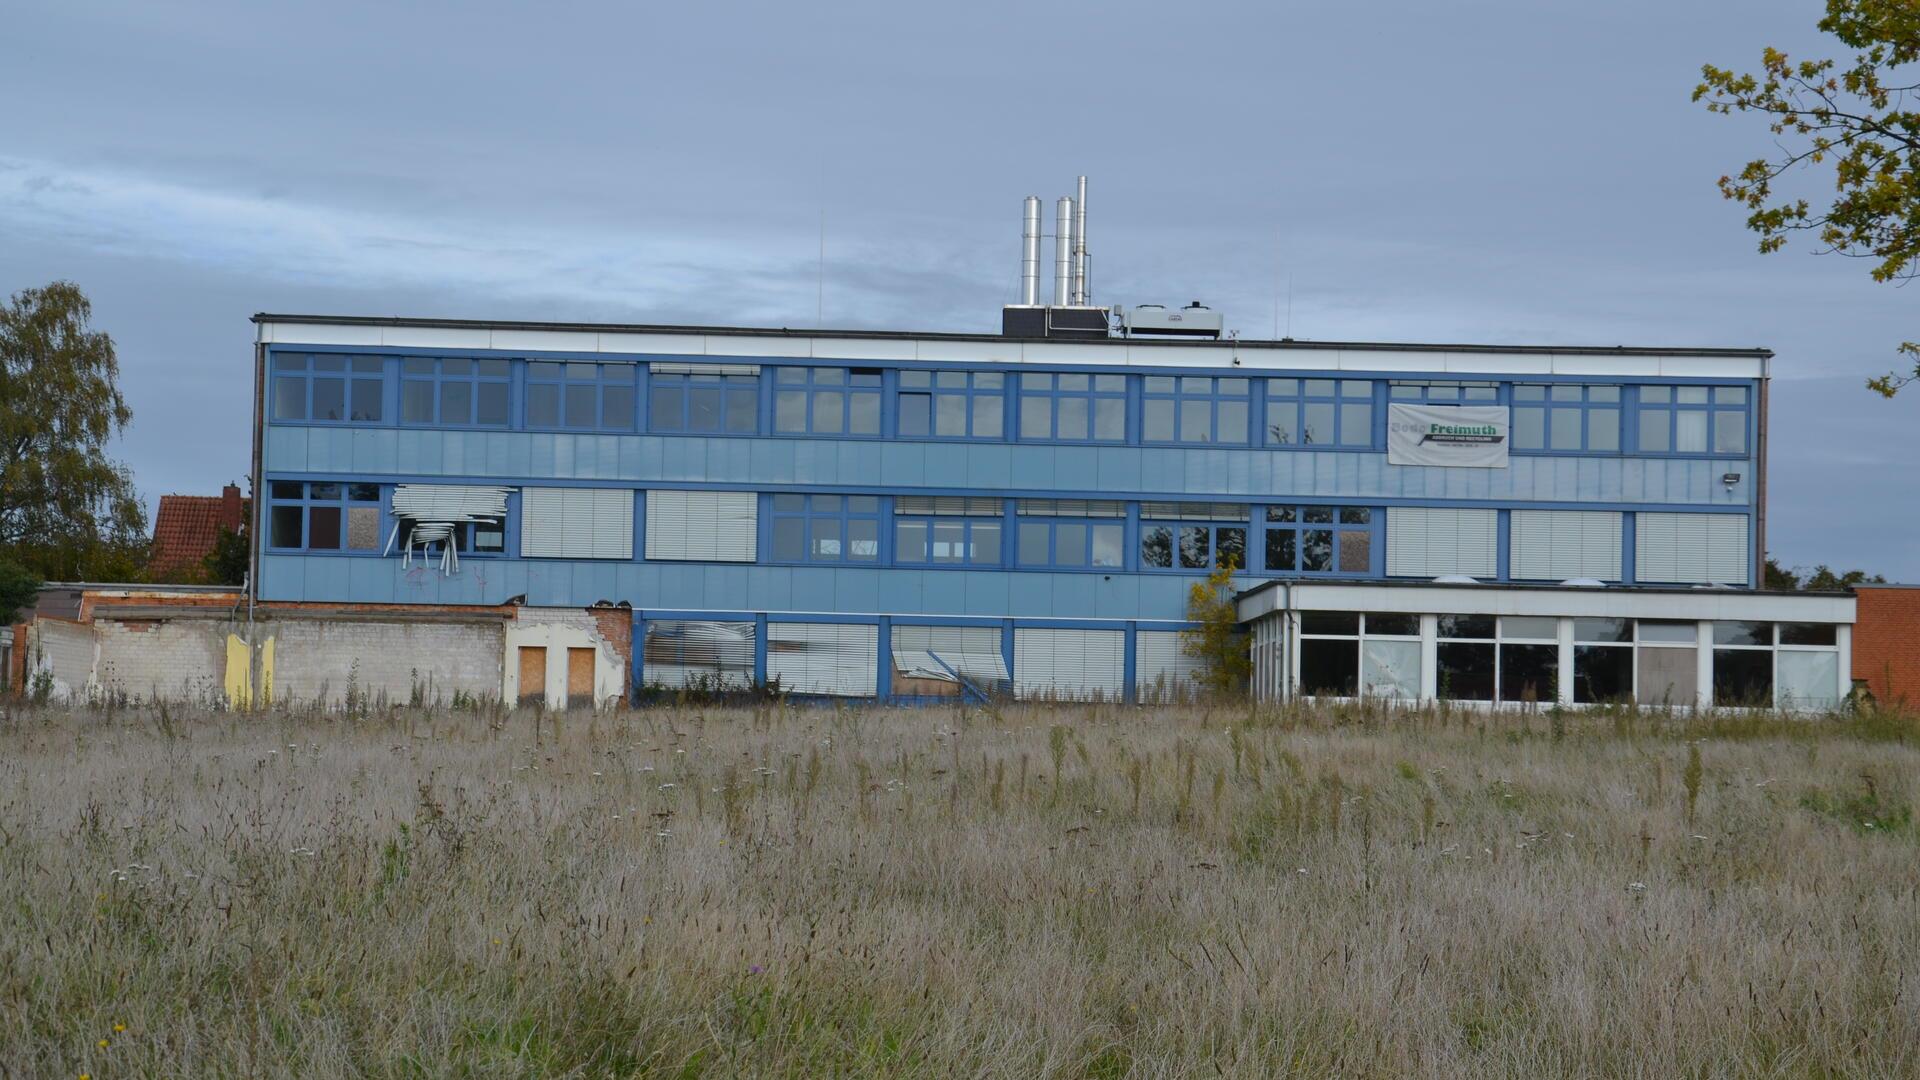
(63, 650)
(1886, 642)
(318, 658)
(181, 660)
(616, 625)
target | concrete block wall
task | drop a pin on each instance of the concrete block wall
(182, 660)
(1886, 642)
(318, 659)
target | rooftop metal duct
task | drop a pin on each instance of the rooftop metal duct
(1063, 253)
(1080, 244)
(1030, 253)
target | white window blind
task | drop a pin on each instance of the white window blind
(1069, 665)
(576, 523)
(947, 506)
(839, 659)
(680, 653)
(704, 369)
(967, 655)
(1162, 669)
(704, 526)
(1432, 541)
(1554, 545)
(1690, 549)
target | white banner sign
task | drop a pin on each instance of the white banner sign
(1464, 436)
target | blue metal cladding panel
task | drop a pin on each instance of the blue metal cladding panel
(1117, 471)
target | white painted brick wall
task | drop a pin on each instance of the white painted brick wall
(63, 650)
(318, 658)
(181, 660)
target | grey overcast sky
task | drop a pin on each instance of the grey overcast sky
(1515, 172)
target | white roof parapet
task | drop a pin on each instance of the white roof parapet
(642, 343)
(1695, 605)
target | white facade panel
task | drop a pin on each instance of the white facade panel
(1694, 549)
(576, 523)
(1163, 670)
(703, 526)
(1430, 542)
(836, 659)
(1069, 665)
(1555, 545)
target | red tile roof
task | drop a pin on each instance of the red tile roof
(187, 526)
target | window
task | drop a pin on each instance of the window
(1566, 417)
(1343, 654)
(726, 400)
(1073, 408)
(576, 523)
(1445, 393)
(1192, 536)
(325, 516)
(1071, 534)
(455, 391)
(1319, 412)
(1318, 540)
(580, 396)
(702, 526)
(1743, 664)
(329, 387)
(946, 531)
(826, 401)
(1329, 653)
(1602, 660)
(825, 528)
(1669, 663)
(1693, 419)
(710, 655)
(953, 404)
(1807, 666)
(1464, 658)
(1529, 660)
(1194, 409)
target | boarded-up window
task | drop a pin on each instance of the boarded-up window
(1431, 542)
(1554, 545)
(704, 526)
(533, 675)
(837, 659)
(1069, 665)
(576, 523)
(580, 679)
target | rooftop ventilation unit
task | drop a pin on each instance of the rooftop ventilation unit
(1156, 320)
(1071, 314)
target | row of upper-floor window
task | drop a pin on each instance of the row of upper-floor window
(1025, 406)
(854, 530)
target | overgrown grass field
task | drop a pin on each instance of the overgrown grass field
(1057, 892)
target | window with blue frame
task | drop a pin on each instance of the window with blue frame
(693, 401)
(1318, 539)
(1073, 407)
(1192, 536)
(1194, 409)
(1445, 392)
(322, 516)
(1071, 534)
(1319, 412)
(1693, 419)
(454, 391)
(824, 528)
(329, 387)
(577, 395)
(946, 531)
(1566, 417)
(952, 404)
(826, 401)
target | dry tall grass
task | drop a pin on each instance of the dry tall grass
(1069, 892)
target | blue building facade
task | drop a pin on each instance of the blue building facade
(903, 515)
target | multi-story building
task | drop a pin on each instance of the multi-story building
(905, 514)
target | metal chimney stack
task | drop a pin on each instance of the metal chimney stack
(1080, 245)
(1063, 252)
(1030, 253)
